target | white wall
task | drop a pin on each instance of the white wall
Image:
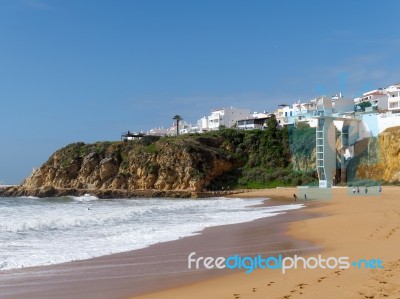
(324, 104)
(374, 123)
(202, 123)
(226, 117)
(388, 120)
(343, 105)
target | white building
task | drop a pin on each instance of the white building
(157, 132)
(226, 117)
(260, 114)
(297, 113)
(202, 124)
(184, 128)
(252, 123)
(342, 105)
(286, 114)
(393, 94)
(378, 99)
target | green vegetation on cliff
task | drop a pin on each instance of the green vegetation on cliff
(221, 159)
(266, 157)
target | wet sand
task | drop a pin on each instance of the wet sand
(358, 226)
(158, 267)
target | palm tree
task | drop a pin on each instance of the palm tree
(177, 118)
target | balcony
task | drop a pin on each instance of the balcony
(394, 105)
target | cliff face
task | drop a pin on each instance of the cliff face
(303, 152)
(167, 164)
(304, 163)
(382, 161)
(218, 160)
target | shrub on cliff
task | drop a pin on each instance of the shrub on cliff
(266, 156)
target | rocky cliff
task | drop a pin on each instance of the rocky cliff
(380, 160)
(166, 164)
(207, 163)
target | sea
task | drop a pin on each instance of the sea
(46, 231)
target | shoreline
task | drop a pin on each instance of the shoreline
(360, 227)
(18, 191)
(133, 273)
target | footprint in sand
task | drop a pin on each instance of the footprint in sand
(254, 290)
(237, 296)
(301, 285)
(322, 278)
(339, 272)
(392, 231)
(270, 283)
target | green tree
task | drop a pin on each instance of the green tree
(364, 105)
(177, 118)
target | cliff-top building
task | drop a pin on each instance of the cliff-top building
(225, 117)
(393, 93)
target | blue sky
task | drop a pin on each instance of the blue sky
(88, 70)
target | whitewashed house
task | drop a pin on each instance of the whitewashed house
(378, 99)
(225, 117)
(393, 94)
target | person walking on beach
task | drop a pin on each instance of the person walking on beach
(354, 190)
(366, 189)
(358, 190)
(380, 189)
(295, 197)
(305, 197)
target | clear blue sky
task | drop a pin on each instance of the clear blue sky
(87, 70)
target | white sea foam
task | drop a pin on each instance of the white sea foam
(85, 197)
(30, 197)
(49, 231)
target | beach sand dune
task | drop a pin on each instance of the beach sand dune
(356, 226)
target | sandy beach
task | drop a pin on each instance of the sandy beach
(356, 226)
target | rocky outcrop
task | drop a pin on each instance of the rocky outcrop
(166, 164)
(381, 158)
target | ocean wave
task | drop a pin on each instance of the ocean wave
(51, 232)
(284, 208)
(29, 197)
(84, 198)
